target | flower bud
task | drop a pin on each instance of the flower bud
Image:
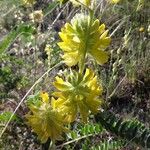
(115, 64)
(119, 51)
(120, 61)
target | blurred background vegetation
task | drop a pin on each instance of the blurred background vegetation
(29, 47)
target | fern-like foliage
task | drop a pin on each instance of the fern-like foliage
(91, 129)
(86, 130)
(132, 130)
(82, 136)
(108, 145)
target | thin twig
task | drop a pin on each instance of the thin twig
(114, 91)
(117, 28)
(32, 87)
(75, 140)
(9, 11)
(51, 10)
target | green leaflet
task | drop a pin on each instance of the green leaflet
(5, 116)
(131, 130)
(108, 145)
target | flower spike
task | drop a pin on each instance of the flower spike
(83, 37)
(77, 94)
(45, 121)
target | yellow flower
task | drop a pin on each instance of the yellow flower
(81, 37)
(77, 93)
(141, 29)
(46, 122)
(29, 2)
(44, 96)
(37, 16)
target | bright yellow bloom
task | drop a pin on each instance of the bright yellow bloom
(44, 96)
(77, 93)
(81, 37)
(37, 16)
(46, 122)
(141, 29)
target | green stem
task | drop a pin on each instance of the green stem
(82, 62)
(32, 87)
(52, 145)
(91, 13)
(82, 65)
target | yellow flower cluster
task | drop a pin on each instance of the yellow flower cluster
(77, 93)
(84, 37)
(45, 121)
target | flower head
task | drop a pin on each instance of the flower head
(77, 93)
(81, 37)
(46, 122)
(36, 16)
(141, 29)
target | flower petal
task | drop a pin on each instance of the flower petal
(100, 56)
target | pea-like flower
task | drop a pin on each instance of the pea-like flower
(45, 121)
(81, 37)
(77, 94)
(44, 96)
